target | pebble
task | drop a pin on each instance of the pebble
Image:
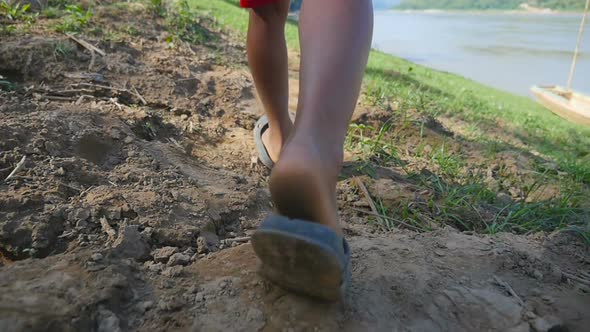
(179, 259)
(556, 273)
(544, 324)
(200, 297)
(255, 315)
(128, 140)
(162, 255)
(108, 321)
(173, 271)
(170, 304)
(145, 306)
(537, 274)
(96, 257)
(155, 267)
(130, 244)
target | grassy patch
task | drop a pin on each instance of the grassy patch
(75, 20)
(183, 24)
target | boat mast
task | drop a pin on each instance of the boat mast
(577, 50)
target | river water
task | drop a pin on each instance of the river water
(509, 51)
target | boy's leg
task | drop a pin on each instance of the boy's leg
(335, 40)
(267, 56)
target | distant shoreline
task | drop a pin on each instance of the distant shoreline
(484, 12)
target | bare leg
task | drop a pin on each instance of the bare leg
(267, 56)
(335, 41)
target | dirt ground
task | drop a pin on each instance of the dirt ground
(140, 188)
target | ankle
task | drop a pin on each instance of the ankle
(310, 149)
(279, 131)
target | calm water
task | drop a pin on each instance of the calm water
(508, 51)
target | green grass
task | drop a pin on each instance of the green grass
(75, 20)
(495, 121)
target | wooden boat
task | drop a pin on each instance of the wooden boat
(568, 104)
(565, 102)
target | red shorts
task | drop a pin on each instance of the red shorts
(254, 3)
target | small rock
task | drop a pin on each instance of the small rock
(530, 315)
(522, 327)
(189, 252)
(179, 259)
(147, 232)
(556, 274)
(537, 275)
(80, 214)
(207, 242)
(93, 267)
(128, 140)
(545, 324)
(504, 198)
(108, 321)
(167, 284)
(223, 284)
(145, 306)
(170, 304)
(96, 257)
(163, 254)
(547, 299)
(255, 315)
(173, 271)
(200, 297)
(155, 267)
(81, 224)
(131, 244)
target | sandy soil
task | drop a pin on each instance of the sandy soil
(139, 190)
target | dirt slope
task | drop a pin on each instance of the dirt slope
(139, 191)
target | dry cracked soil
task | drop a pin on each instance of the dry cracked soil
(139, 190)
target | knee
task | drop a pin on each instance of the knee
(273, 13)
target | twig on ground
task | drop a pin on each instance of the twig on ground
(66, 235)
(576, 278)
(363, 188)
(116, 103)
(81, 99)
(87, 45)
(58, 98)
(92, 59)
(508, 288)
(86, 190)
(100, 86)
(190, 49)
(17, 168)
(417, 229)
(68, 92)
(85, 76)
(111, 234)
(175, 142)
(235, 239)
(138, 95)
